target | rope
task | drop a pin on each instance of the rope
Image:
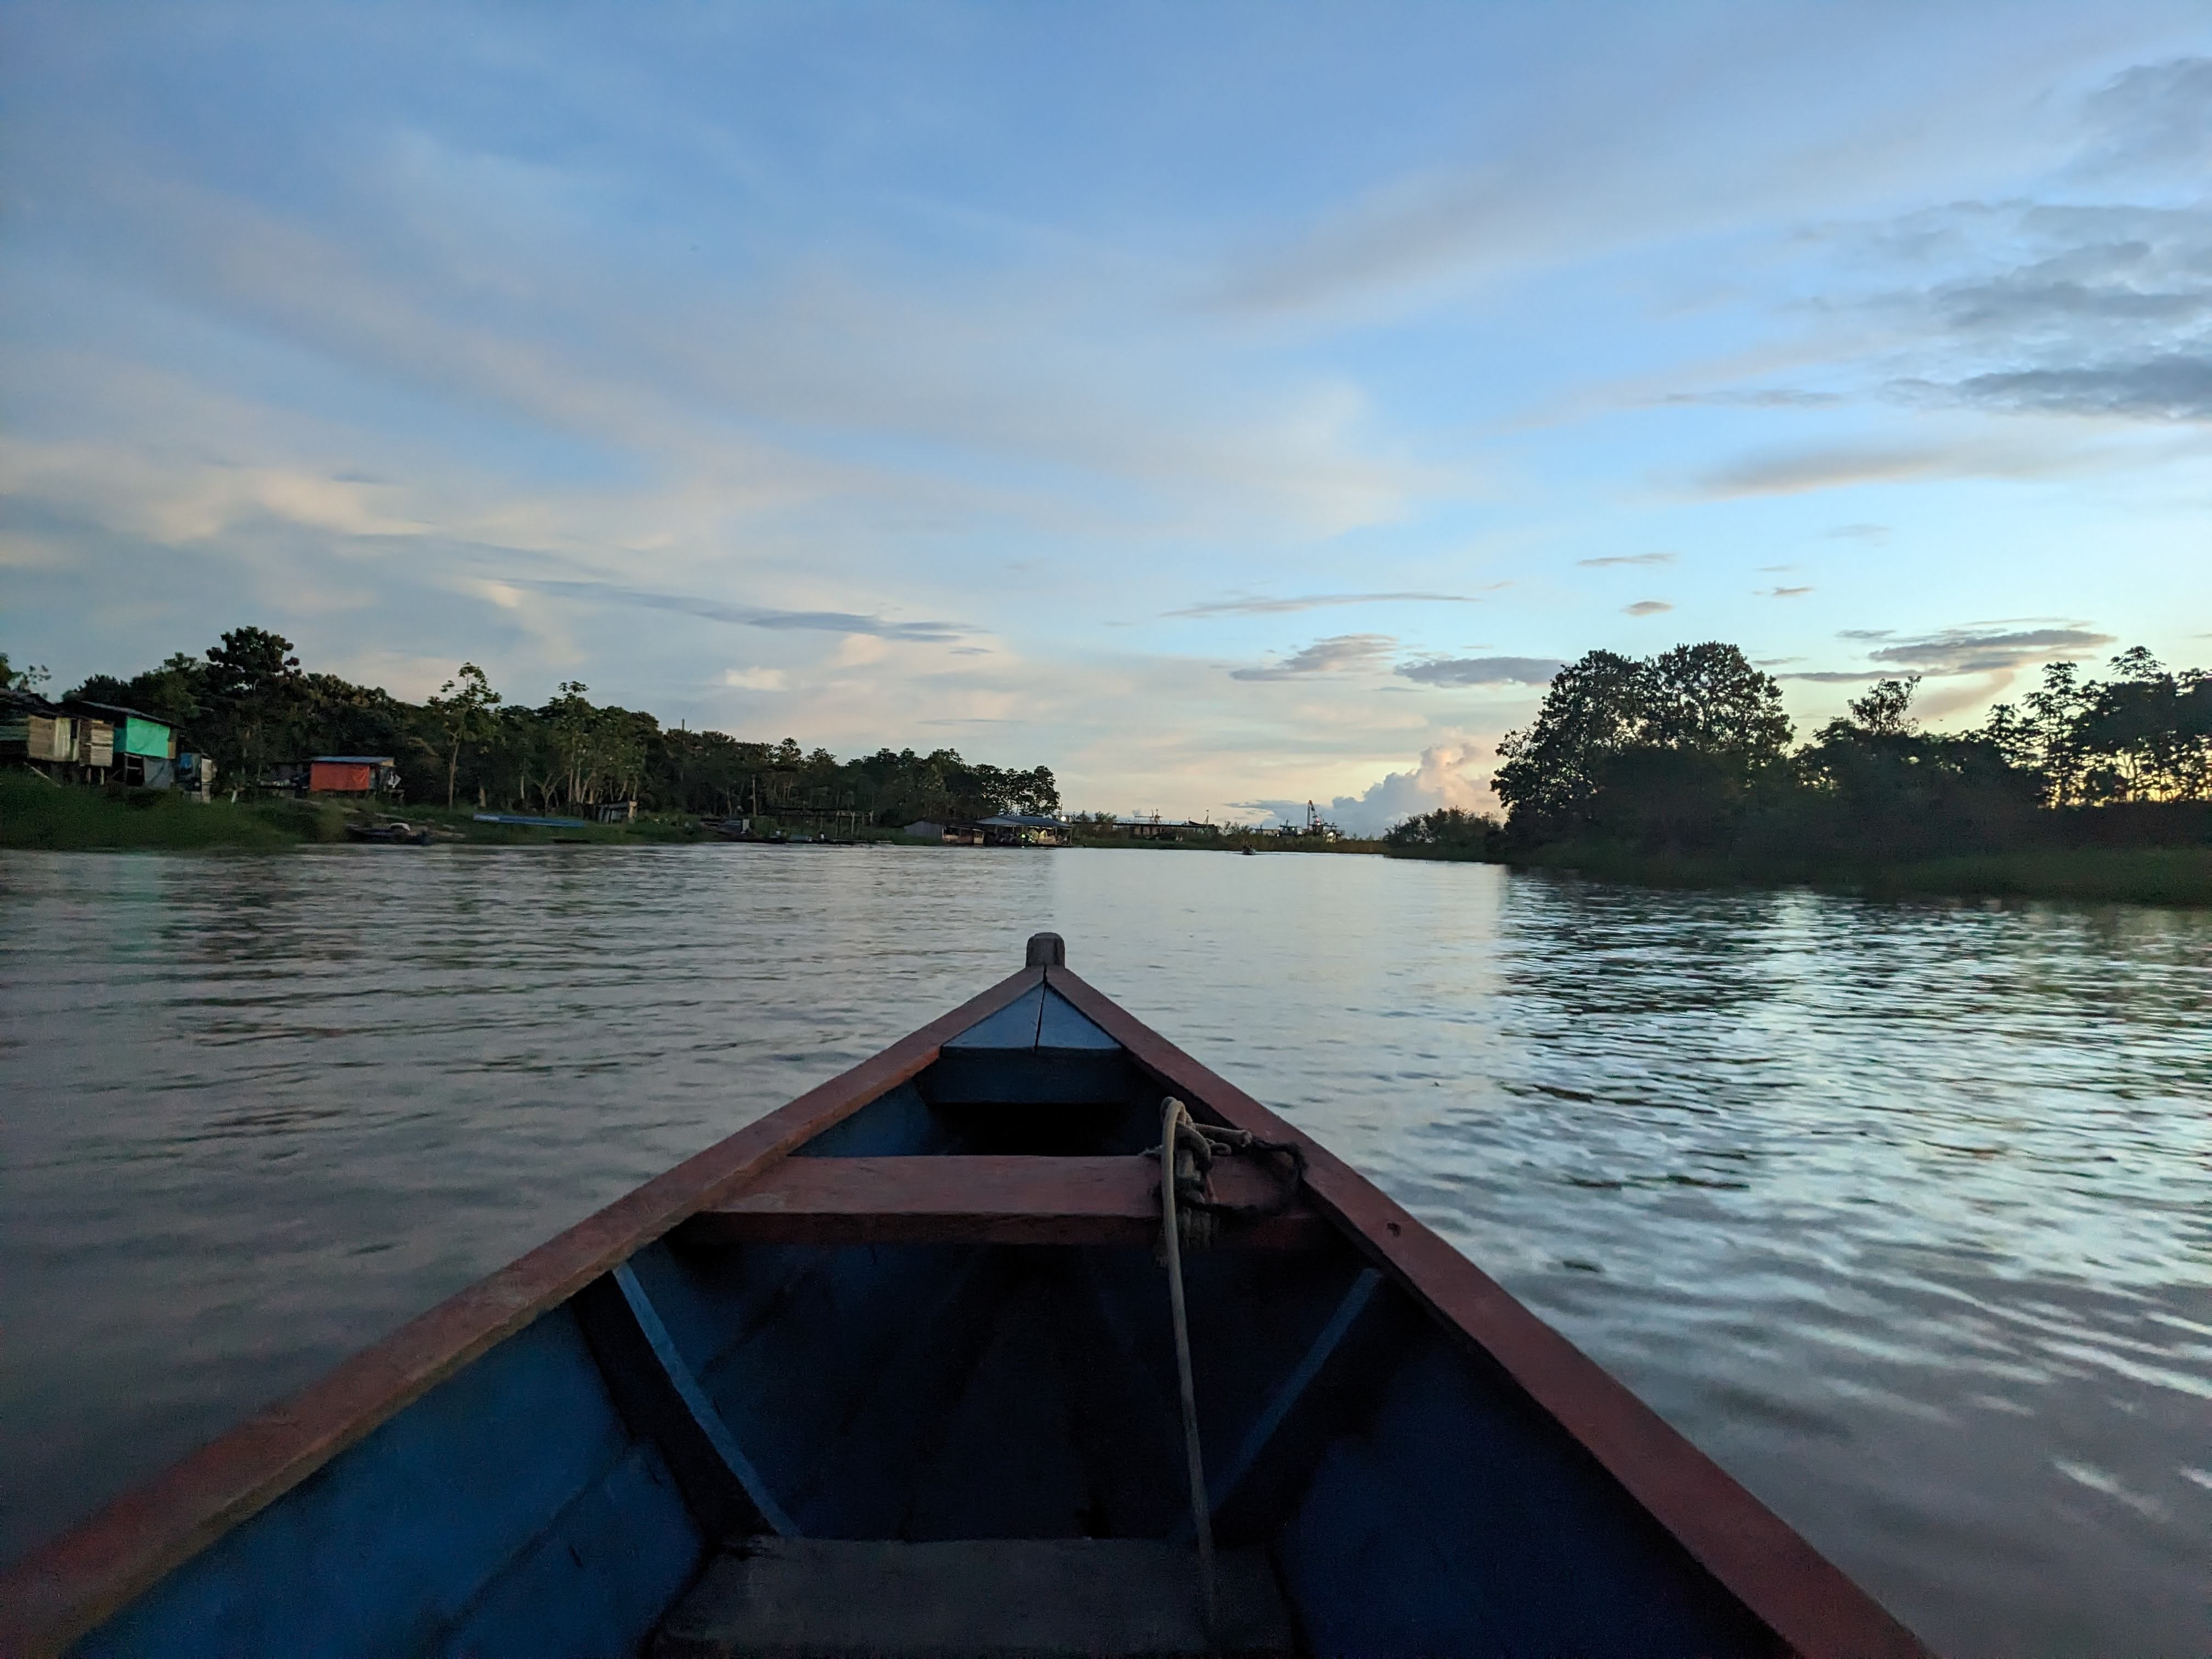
(1174, 1152)
(1188, 1216)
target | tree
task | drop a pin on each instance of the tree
(253, 692)
(1886, 710)
(464, 710)
(1664, 747)
(1447, 829)
(29, 677)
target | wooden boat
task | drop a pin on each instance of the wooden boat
(896, 1370)
(394, 832)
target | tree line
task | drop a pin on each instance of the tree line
(248, 704)
(1690, 751)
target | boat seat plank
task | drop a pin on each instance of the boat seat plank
(984, 1200)
(791, 1598)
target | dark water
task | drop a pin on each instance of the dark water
(1904, 1213)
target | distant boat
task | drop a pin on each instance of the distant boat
(392, 833)
(895, 1370)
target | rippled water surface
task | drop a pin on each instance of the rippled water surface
(1904, 1213)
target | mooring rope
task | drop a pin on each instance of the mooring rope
(1188, 1216)
(1175, 1152)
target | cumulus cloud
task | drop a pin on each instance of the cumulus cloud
(1446, 776)
(1265, 607)
(1340, 654)
(1646, 608)
(1628, 559)
(1482, 671)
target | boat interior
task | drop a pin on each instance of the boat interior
(914, 1390)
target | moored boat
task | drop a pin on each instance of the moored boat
(1029, 1334)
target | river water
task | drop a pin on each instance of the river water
(1902, 1213)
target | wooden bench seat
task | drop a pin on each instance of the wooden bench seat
(984, 1200)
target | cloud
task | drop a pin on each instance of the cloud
(1265, 607)
(1646, 608)
(754, 679)
(2174, 387)
(1340, 654)
(1858, 532)
(1795, 471)
(2153, 115)
(746, 616)
(1784, 593)
(1443, 778)
(1762, 398)
(1482, 671)
(1970, 650)
(1829, 677)
(1628, 559)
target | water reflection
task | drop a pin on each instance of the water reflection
(1904, 1212)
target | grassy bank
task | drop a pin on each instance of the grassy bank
(2132, 875)
(35, 813)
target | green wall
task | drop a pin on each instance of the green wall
(136, 737)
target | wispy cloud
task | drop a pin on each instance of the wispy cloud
(1627, 558)
(1646, 608)
(1482, 671)
(1341, 653)
(745, 616)
(1784, 593)
(1757, 397)
(1981, 651)
(1268, 607)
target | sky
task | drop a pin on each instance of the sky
(1227, 406)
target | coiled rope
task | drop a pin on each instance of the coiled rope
(1189, 1215)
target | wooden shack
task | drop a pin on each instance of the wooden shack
(353, 774)
(142, 747)
(53, 739)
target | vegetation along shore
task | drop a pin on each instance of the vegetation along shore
(1679, 769)
(1682, 768)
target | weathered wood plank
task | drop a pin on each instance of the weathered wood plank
(982, 1200)
(53, 1595)
(1801, 1595)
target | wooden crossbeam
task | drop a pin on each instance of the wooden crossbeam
(985, 1200)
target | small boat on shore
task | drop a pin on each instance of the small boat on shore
(392, 832)
(1028, 1335)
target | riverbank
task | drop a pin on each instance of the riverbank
(2125, 875)
(35, 813)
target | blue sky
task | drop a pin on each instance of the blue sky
(1225, 406)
